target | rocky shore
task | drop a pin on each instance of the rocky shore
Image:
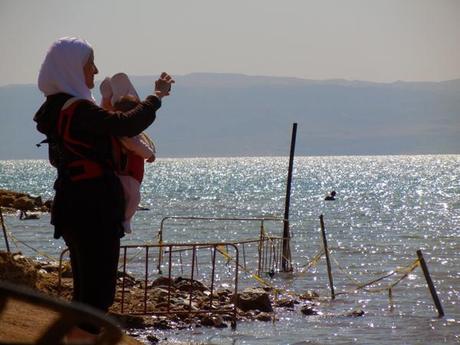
(253, 303)
(12, 201)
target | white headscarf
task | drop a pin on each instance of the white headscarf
(62, 70)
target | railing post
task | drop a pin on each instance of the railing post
(260, 248)
(160, 242)
(433, 292)
(146, 278)
(123, 285)
(4, 231)
(237, 264)
(328, 261)
(286, 259)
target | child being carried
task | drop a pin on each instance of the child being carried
(129, 153)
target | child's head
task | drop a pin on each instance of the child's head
(126, 103)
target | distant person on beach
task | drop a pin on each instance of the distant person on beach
(24, 216)
(130, 153)
(330, 196)
(88, 207)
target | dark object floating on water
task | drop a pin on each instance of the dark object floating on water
(330, 196)
(356, 313)
(24, 216)
(142, 208)
(153, 339)
(309, 310)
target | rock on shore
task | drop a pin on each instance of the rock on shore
(21, 201)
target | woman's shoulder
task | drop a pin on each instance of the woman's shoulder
(86, 108)
(84, 103)
(88, 115)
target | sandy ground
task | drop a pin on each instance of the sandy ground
(33, 321)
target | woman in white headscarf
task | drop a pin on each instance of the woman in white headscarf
(88, 208)
(62, 72)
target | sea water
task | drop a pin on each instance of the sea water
(386, 208)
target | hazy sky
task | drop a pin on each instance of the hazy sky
(375, 40)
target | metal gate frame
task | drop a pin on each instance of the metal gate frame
(267, 244)
(171, 248)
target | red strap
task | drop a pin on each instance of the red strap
(65, 120)
(84, 169)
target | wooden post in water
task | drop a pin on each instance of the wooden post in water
(434, 294)
(390, 299)
(286, 257)
(326, 252)
(4, 231)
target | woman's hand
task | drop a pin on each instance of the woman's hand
(163, 85)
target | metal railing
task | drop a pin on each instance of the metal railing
(145, 302)
(269, 250)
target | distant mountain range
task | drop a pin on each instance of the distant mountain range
(238, 115)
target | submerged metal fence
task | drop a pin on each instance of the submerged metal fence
(261, 253)
(218, 265)
(197, 277)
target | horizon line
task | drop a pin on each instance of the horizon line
(277, 156)
(271, 76)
